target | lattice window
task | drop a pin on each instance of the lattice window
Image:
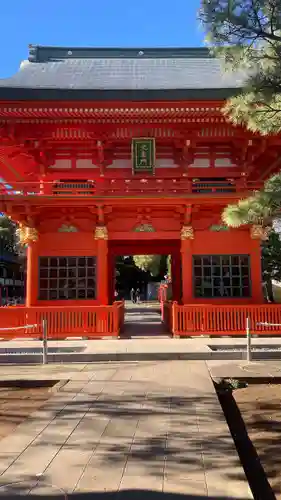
(213, 185)
(70, 187)
(67, 278)
(221, 276)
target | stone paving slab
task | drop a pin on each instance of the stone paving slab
(244, 370)
(144, 349)
(151, 426)
(152, 344)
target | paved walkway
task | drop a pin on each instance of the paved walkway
(153, 428)
(143, 320)
(136, 349)
(244, 370)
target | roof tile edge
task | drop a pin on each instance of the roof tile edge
(40, 53)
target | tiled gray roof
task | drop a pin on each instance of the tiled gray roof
(121, 69)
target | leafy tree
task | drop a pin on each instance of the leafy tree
(150, 263)
(271, 263)
(129, 276)
(246, 35)
(169, 265)
(156, 265)
(8, 236)
(263, 207)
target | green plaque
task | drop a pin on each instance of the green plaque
(218, 228)
(145, 228)
(143, 155)
(67, 228)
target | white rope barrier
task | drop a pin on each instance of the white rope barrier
(249, 335)
(249, 340)
(268, 324)
(45, 337)
(16, 328)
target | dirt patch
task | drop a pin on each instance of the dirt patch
(18, 399)
(260, 407)
(250, 461)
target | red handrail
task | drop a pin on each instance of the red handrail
(201, 319)
(105, 186)
(62, 322)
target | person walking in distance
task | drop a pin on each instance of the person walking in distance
(133, 295)
(138, 296)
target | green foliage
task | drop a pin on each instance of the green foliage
(169, 265)
(247, 37)
(8, 236)
(261, 208)
(150, 263)
(156, 265)
(252, 210)
(128, 275)
(271, 257)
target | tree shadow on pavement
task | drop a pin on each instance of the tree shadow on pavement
(259, 406)
(138, 494)
(120, 424)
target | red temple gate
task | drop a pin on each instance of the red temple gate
(119, 166)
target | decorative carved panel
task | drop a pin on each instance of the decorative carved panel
(101, 233)
(187, 233)
(144, 228)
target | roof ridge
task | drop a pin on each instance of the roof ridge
(41, 53)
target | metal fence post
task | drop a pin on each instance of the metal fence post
(45, 345)
(248, 333)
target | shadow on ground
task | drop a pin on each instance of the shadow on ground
(120, 495)
(260, 409)
(143, 321)
(124, 422)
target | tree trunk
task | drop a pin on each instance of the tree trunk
(269, 290)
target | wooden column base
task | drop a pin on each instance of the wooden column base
(256, 272)
(102, 272)
(186, 265)
(32, 277)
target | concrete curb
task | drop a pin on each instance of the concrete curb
(136, 356)
(58, 386)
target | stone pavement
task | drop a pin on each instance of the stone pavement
(151, 429)
(156, 344)
(144, 349)
(143, 320)
(244, 370)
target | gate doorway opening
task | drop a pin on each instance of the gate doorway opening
(137, 280)
(142, 310)
(137, 277)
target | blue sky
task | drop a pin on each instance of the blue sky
(125, 23)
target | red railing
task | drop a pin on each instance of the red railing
(120, 306)
(12, 317)
(166, 314)
(162, 293)
(191, 320)
(104, 186)
(62, 322)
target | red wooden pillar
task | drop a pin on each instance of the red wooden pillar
(111, 277)
(176, 276)
(187, 236)
(256, 267)
(102, 265)
(32, 275)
